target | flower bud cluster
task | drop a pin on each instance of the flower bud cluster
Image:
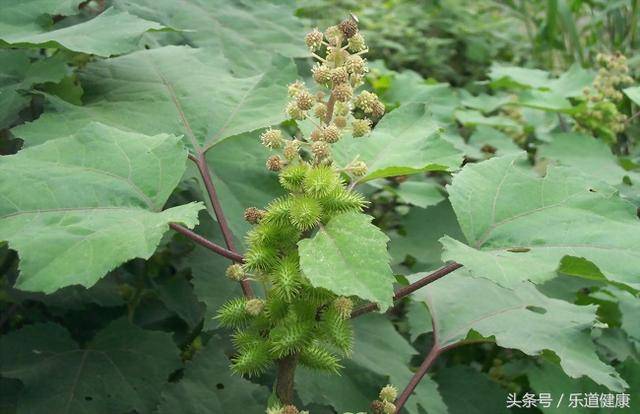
(385, 405)
(599, 114)
(296, 318)
(340, 68)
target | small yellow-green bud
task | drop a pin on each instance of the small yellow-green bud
(336, 56)
(356, 43)
(333, 35)
(339, 75)
(320, 150)
(341, 109)
(388, 393)
(355, 64)
(295, 88)
(343, 92)
(348, 27)
(389, 408)
(313, 39)
(340, 121)
(359, 168)
(321, 74)
(294, 112)
(360, 127)
(274, 163)
(291, 149)
(304, 100)
(235, 272)
(365, 101)
(331, 134)
(254, 306)
(320, 110)
(356, 79)
(271, 138)
(344, 306)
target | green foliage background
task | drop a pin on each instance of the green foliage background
(482, 158)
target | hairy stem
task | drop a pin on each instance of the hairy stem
(284, 382)
(407, 290)
(216, 248)
(203, 168)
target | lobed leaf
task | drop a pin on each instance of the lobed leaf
(76, 207)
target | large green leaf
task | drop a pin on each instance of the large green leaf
(175, 90)
(26, 16)
(349, 257)
(520, 318)
(247, 32)
(409, 87)
(420, 230)
(467, 391)
(511, 76)
(207, 386)
(520, 226)
(96, 36)
(568, 85)
(589, 155)
(406, 141)
(76, 207)
(17, 77)
(379, 351)
(634, 94)
(122, 369)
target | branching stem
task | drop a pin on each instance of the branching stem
(407, 290)
(205, 173)
(216, 248)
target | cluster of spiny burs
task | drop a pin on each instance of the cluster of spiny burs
(294, 318)
(600, 115)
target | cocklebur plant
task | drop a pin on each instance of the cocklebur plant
(600, 114)
(295, 322)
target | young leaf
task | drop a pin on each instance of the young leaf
(76, 207)
(521, 318)
(406, 141)
(121, 370)
(519, 226)
(349, 257)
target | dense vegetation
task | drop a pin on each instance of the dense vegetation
(331, 206)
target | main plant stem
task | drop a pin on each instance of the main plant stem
(205, 173)
(285, 380)
(286, 366)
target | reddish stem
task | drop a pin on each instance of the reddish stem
(201, 163)
(207, 243)
(330, 104)
(431, 357)
(407, 290)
